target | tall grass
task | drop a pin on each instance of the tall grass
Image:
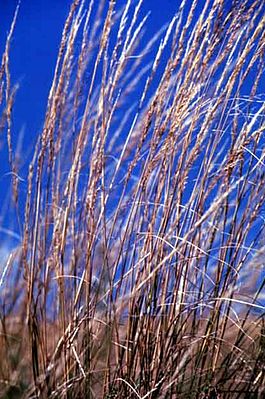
(140, 269)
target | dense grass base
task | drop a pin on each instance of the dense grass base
(140, 268)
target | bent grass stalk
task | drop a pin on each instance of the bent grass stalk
(140, 270)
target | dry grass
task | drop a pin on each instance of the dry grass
(140, 270)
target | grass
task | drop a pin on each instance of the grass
(140, 269)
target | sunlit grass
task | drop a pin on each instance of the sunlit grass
(140, 268)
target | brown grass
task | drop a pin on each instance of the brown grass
(140, 270)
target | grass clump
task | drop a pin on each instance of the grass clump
(140, 268)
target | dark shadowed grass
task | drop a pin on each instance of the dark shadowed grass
(140, 271)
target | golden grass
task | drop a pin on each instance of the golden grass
(140, 267)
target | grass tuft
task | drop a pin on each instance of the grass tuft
(140, 268)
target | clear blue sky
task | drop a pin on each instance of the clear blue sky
(33, 55)
(34, 50)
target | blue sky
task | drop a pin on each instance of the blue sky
(33, 55)
(34, 50)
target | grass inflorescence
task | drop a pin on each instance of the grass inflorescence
(140, 268)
